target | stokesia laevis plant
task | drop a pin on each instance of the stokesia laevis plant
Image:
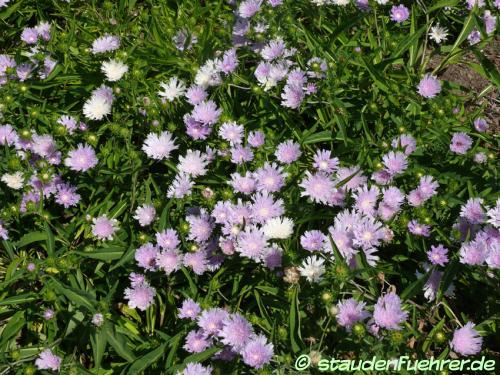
(220, 187)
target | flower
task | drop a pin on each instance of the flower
(14, 181)
(140, 296)
(48, 361)
(66, 195)
(257, 352)
(248, 8)
(168, 239)
(232, 132)
(81, 159)
(97, 107)
(318, 186)
(287, 152)
(29, 35)
(351, 312)
(438, 255)
(270, 178)
(494, 215)
(189, 309)
(48, 314)
(172, 89)
(473, 212)
(399, 13)
(324, 162)
(104, 228)
(438, 33)
(312, 268)
(159, 146)
(388, 312)
(196, 342)
(145, 214)
(395, 162)
(169, 261)
(278, 228)
(146, 256)
(211, 321)
(194, 368)
(236, 331)
(313, 240)
(429, 86)
(480, 124)
(418, 229)
(466, 340)
(114, 70)
(105, 43)
(194, 163)
(460, 143)
(206, 113)
(97, 319)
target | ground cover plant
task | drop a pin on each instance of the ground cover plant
(221, 187)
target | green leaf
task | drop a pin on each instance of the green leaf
(293, 321)
(17, 300)
(98, 341)
(415, 287)
(118, 342)
(106, 254)
(31, 237)
(442, 4)
(147, 360)
(51, 244)
(75, 296)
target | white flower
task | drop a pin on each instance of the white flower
(145, 214)
(208, 74)
(114, 69)
(14, 181)
(341, 2)
(194, 163)
(382, 2)
(312, 268)
(494, 215)
(96, 108)
(438, 33)
(175, 88)
(278, 227)
(159, 146)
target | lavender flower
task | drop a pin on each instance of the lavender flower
(236, 332)
(104, 228)
(140, 296)
(388, 312)
(429, 86)
(145, 214)
(48, 361)
(399, 13)
(189, 309)
(351, 312)
(105, 43)
(438, 255)
(466, 340)
(81, 159)
(257, 352)
(460, 143)
(196, 342)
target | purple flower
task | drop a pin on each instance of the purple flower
(257, 352)
(180, 187)
(395, 162)
(473, 212)
(23, 71)
(206, 113)
(104, 228)
(196, 342)
(429, 86)
(48, 314)
(145, 214)
(81, 159)
(480, 158)
(48, 361)
(270, 178)
(229, 61)
(292, 96)
(43, 30)
(255, 139)
(351, 312)
(236, 331)
(427, 187)
(460, 143)
(169, 261)
(248, 8)
(418, 229)
(146, 256)
(471, 3)
(438, 255)
(466, 340)
(68, 122)
(105, 44)
(194, 368)
(168, 239)
(388, 312)
(241, 154)
(406, 142)
(351, 178)
(490, 22)
(473, 253)
(211, 321)
(8, 135)
(251, 243)
(480, 124)
(189, 309)
(29, 35)
(197, 261)
(140, 296)
(195, 95)
(97, 319)
(66, 195)
(273, 50)
(399, 13)
(318, 186)
(200, 227)
(243, 184)
(366, 198)
(324, 162)
(232, 132)
(287, 152)
(313, 240)
(264, 207)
